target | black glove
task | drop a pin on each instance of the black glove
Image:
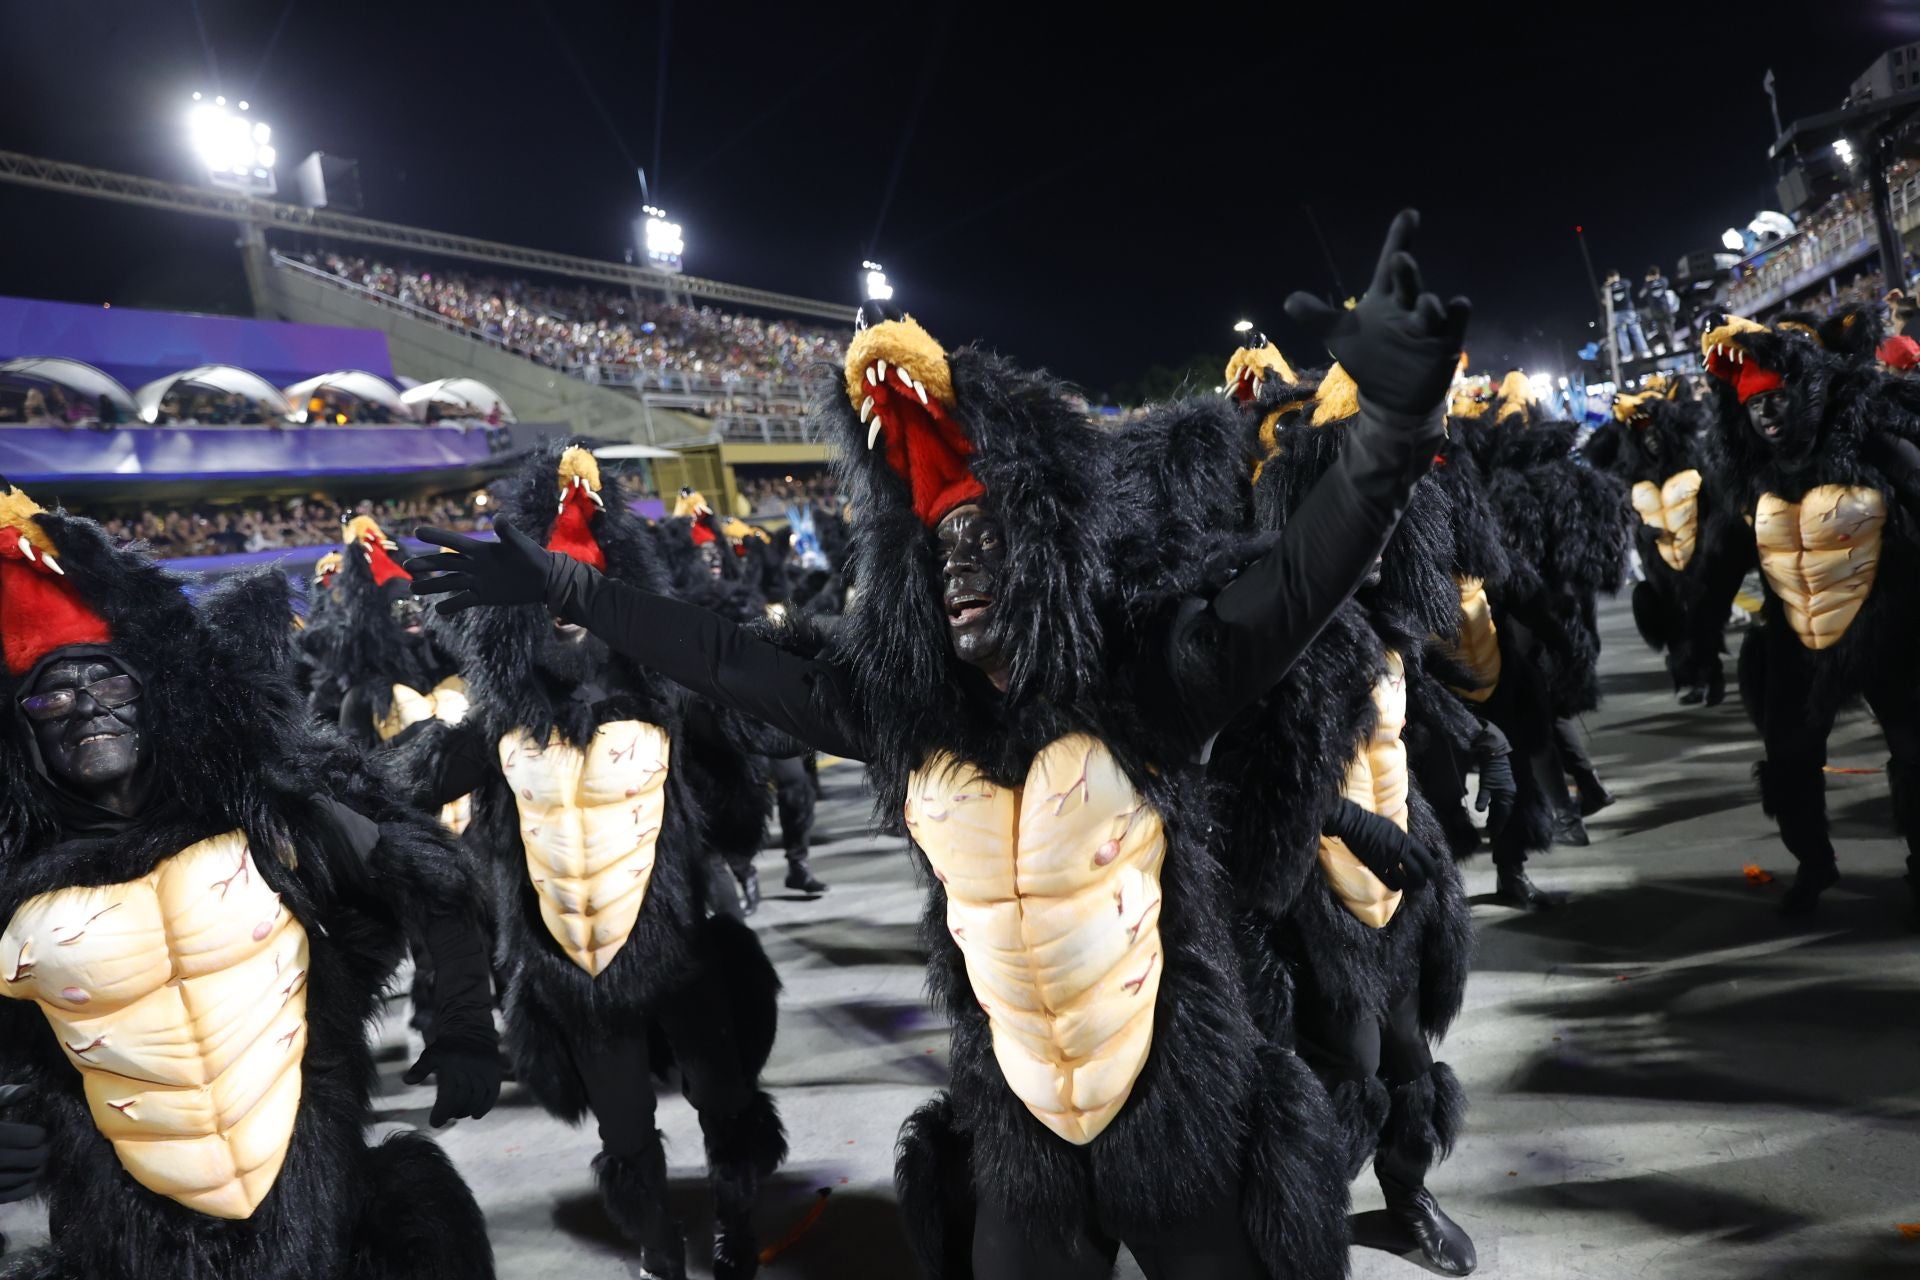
(466, 1077)
(1498, 790)
(514, 570)
(1402, 346)
(1390, 853)
(23, 1150)
(464, 1053)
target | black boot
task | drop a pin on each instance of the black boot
(1568, 829)
(1512, 888)
(1594, 795)
(800, 875)
(1421, 1122)
(741, 1150)
(634, 1190)
(750, 889)
(1796, 797)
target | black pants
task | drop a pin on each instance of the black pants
(1795, 733)
(794, 794)
(618, 1074)
(1341, 1048)
(1213, 1247)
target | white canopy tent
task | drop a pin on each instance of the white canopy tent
(616, 452)
(71, 375)
(468, 397)
(357, 383)
(226, 378)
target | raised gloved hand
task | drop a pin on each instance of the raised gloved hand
(23, 1150)
(1498, 790)
(1397, 858)
(514, 570)
(1401, 345)
(466, 1078)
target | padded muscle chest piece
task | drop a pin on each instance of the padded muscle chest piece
(1377, 782)
(1477, 647)
(590, 820)
(181, 999)
(1820, 555)
(1673, 509)
(1053, 895)
(446, 701)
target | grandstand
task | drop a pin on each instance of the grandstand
(397, 364)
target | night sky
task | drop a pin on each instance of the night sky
(1082, 192)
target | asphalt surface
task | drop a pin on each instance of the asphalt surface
(1668, 1080)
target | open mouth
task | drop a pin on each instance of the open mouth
(966, 608)
(884, 397)
(96, 737)
(568, 630)
(1771, 431)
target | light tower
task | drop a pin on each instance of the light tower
(234, 149)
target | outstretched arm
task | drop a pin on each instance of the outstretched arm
(1401, 345)
(699, 650)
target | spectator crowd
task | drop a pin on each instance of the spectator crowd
(601, 334)
(206, 530)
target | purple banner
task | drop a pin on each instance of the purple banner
(36, 455)
(139, 346)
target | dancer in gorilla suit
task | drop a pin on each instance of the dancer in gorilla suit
(1567, 534)
(202, 903)
(1823, 489)
(1654, 444)
(1334, 847)
(1044, 751)
(709, 569)
(576, 759)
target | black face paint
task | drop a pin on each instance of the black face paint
(85, 716)
(712, 559)
(408, 615)
(1790, 437)
(973, 549)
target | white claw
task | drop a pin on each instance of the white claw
(882, 366)
(53, 564)
(866, 411)
(906, 379)
(920, 390)
(26, 549)
(873, 432)
(563, 507)
(598, 501)
(873, 379)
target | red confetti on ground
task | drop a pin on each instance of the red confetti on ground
(812, 1215)
(1757, 875)
(1831, 768)
(1622, 978)
(1909, 1230)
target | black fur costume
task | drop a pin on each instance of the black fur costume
(1285, 765)
(580, 1043)
(372, 653)
(229, 743)
(1657, 435)
(1845, 424)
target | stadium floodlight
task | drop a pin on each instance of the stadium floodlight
(877, 288)
(1844, 149)
(1243, 326)
(660, 239)
(1732, 239)
(235, 150)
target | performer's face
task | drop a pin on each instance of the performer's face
(712, 559)
(973, 549)
(1768, 413)
(409, 616)
(85, 715)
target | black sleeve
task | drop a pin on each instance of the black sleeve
(356, 719)
(434, 763)
(1245, 638)
(462, 988)
(713, 658)
(1727, 550)
(1901, 461)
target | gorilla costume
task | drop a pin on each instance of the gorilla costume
(203, 902)
(1823, 491)
(576, 759)
(1043, 747)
